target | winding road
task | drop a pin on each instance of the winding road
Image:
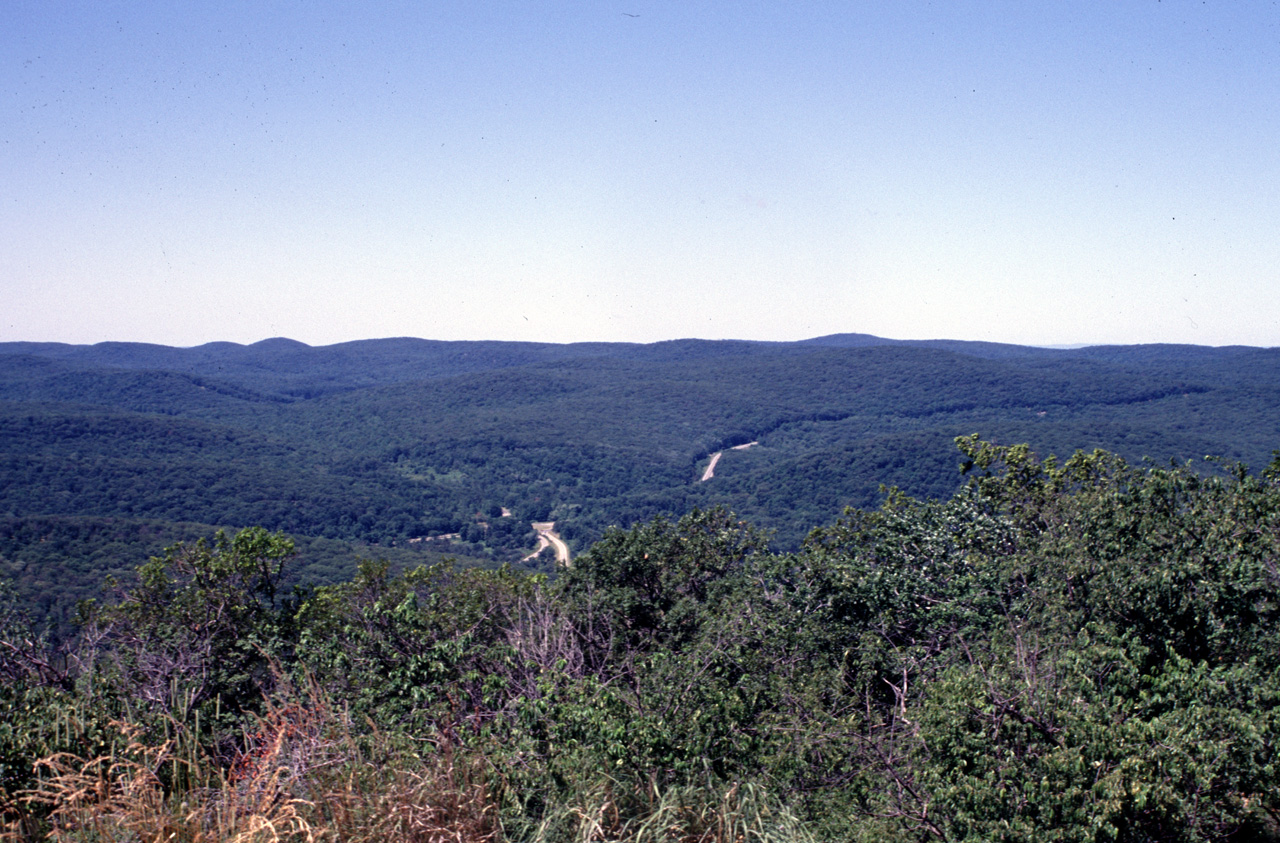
(546, 530)
(548, 536)
(715, 458)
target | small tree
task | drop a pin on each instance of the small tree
(200, 626)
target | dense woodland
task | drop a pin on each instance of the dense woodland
(358, 449)
(1078, 650)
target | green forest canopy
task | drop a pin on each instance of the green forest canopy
(379, 443)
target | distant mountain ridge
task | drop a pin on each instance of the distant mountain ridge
(360, 363)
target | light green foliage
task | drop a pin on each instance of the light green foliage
(1129, 693)
(420, 648)
(655, 584)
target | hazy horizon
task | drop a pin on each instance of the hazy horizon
(1054, 347)
(570, 172)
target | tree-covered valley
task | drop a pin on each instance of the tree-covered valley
(109, 453)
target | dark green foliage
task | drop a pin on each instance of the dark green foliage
(383, 441)
(43, 713)
(196, 635)
(54, 562)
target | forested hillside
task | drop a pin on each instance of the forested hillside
(1078, 650)
(385, 442)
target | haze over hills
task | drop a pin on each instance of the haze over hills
(388, 441)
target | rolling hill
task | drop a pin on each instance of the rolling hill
(383, 442)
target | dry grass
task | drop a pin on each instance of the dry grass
(739, 814)
(441, 801)
(302, 778)
(123, 797)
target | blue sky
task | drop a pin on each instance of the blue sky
(1039, 173)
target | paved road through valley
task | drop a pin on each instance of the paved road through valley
(548, 536)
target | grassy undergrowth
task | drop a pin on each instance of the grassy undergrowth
(306, 775)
